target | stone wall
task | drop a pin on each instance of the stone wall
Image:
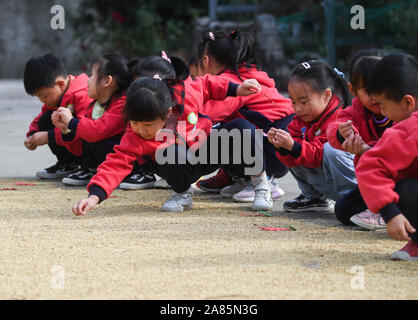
(25, 31)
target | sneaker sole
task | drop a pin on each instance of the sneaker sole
(243, 200)
(178, 209)
(72, 182)
(208, 190)
(402, 255)
(133, 186)
(366, 226)
(262, 208)
(308, 209)
(46, 175)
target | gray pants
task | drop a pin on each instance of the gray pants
(334, 179)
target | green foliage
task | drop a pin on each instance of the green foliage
(135, 27)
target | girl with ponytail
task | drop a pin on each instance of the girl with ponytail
(231, 56)
(103, 125)
(318, 92)
(160, 102)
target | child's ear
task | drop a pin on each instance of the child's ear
(61, 84)
(411, 103)
(327, 95)
(107, 81)
(350, 86)
(169, 112)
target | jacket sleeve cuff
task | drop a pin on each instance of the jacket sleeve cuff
(296, 150)
(389, 211)
(232, 90)
(95, 190)
(73, 124)
(283, 151)
(51, 136)
(340, 138)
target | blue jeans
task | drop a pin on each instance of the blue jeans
(334, 179)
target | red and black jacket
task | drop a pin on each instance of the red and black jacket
(363, 124)
(262, 109)
(189, 96)
(110, 124)
(393, 158)
(76, 99)
(309, 138)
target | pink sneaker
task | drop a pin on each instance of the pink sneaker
(407, 253)
(368, 220)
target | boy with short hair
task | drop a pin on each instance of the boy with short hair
(46, 78)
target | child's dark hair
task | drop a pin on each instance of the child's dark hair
(361, 65)
(41, 72)
(114, 65)
(133, 65)
(147, 99)
(320, 76)
(150, 66)
(229, 50)
(396, 75)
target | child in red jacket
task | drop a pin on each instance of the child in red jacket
(156, 105)
(321, 171)
(45, 77)
(103, 125)
(356, 130)
(231, 57)
(388, 173)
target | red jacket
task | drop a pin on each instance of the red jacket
(76, 99)
(393, 158)
(190, 95)
(309, 137)
(363, 124)
(261, 109)
(110, 124)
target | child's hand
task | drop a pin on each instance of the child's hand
(283, 139)
(249, 86)
(346, 129)
(355, 145)
(65, 115)
(39, 138)
(83, 206)
(28, 144)
(56, 121)
(398, 227)
(271, 134)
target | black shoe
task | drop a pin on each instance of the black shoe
(302, 204)
(57, 171)
(137, 181)
(79, 177)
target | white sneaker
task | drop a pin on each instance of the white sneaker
(368, 220)
(262, 198)
(276, 191)
(239, 185)
(179, 201)
(161, 184)
(245, 195)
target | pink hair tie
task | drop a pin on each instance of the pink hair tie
(164, 56)
(211, 36)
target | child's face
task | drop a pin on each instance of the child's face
(307, 103)
(51, 95)
(92, 83)
(368, 101)
(396, 111)
(147, 129)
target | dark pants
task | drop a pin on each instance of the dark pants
(62, 154)
(181, 176)
(353, 203)
(94, 153)
(274, 167)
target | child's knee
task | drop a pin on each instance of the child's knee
(336, 157)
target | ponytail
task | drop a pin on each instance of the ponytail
(344, 92)
(116, 66)
(229, 50)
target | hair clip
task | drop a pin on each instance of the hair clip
(306, 65)
(211, 36)
(232, 35)
(164, 56)
(157, 76)
(339, 73)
